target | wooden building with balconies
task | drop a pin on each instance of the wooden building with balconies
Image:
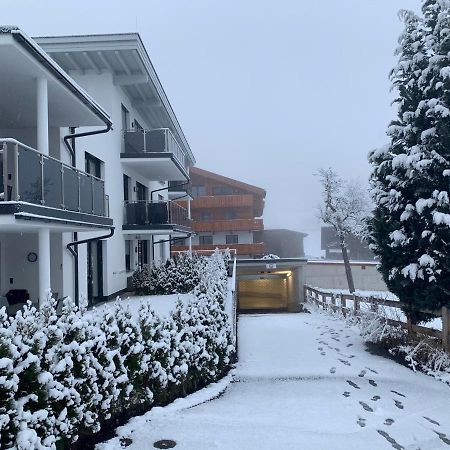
(226, 213)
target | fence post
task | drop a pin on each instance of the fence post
(343, 305)
(333, 302)
(446, 328)
(355, 304)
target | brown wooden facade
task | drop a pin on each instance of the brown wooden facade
(224, 205)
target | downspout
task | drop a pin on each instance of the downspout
(73, 248)
(166, 188)
(162, 241)
(71, 148)
(75, 234)
(72, 137)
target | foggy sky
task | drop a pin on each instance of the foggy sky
(266, 91)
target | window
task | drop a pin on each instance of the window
(126, 187)
(141, 191)
(162, 252)
(206, 215)
(125, 119)
(127, 256)
(137, 125)
(230, 215)
(198, 191)
(222, 190)
(143, 253)
(205, 240)
(231, 238)
(93, 165)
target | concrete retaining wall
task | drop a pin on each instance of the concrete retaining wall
(331, 274)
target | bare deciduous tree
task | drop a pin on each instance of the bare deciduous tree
(345, 206)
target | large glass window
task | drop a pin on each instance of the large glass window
(198, 191)
(222, 190)
(231, 239)
(205, 240)
(127, 256)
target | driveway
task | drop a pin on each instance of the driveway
(304, 381)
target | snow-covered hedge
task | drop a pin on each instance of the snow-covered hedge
(178, 275)
(64, 377)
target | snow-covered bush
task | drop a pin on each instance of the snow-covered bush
(62, 378)
(178, 275)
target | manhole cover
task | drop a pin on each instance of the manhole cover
(165, 443)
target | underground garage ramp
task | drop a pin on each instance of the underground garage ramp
(270, 285)
(267, 292)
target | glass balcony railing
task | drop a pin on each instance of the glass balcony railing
(160, 140)
(180, 188)
(145, 213)
(32, 177)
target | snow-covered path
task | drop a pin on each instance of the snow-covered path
(304, 381)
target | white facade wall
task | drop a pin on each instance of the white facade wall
(107, 147)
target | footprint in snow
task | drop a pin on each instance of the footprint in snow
(398, 393)
(323, 353)
(391, 440)
(399, 404)
(333, 370)
(354, 385)
(366, 406)
(320, 349)
(432, 421)
(389, 422)
(337, 349)
(343, 361)
(375, 398)
(373, 371)
(336, 339)
(362, 373)
(346, 394)
(349, 345)
(372, 382)
(361, 422)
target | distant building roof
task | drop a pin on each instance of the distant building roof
(230, 181)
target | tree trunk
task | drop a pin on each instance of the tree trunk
(348, 269)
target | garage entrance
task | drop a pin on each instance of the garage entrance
(265, 292)
(270, 285)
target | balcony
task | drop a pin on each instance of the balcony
(229, 225)
(179, 190)
(155, 218)
(35, 186)
(256, 249)
(155, 154)
(223, 201)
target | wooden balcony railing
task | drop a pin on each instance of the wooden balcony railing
(223, 201)
(241, 249)
(229, 225)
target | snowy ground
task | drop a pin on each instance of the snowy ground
(304, 381)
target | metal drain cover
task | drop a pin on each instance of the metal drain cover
(164, 443)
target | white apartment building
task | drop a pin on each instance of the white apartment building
(113, 211)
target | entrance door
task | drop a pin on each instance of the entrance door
(142, 253)
(95, 271)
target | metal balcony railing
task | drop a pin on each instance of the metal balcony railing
(180, 187)
(146, 213)
(29, 176)
(160, 140)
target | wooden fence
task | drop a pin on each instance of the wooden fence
(340, 302)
